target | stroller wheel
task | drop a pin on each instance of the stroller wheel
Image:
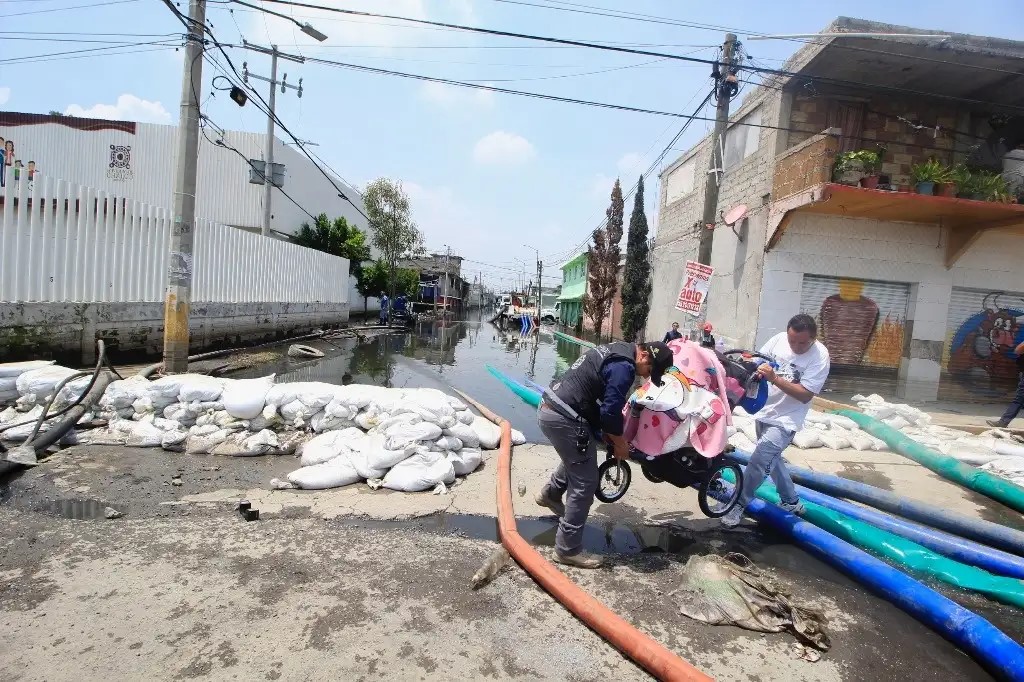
(713, 496)
(613, 478)
(649, 475)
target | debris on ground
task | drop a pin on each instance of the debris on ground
(490, 568)
(731, 590)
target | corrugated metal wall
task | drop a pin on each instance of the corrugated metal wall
(140, 165)
(861, 322)
(64, 242)
(982, 329)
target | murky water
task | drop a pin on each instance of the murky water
(441, 354)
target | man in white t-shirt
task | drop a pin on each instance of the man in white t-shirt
(803, 365)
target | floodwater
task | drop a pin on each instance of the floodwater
(441, 354)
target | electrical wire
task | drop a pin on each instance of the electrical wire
(64, 9)
(648, 53)
(94, 55)
(12, 60)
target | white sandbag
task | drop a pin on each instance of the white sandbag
(466, 433)
(487, 431)
(245, 398)
(465, 461)
(464, 417)
(188, 387)
(341, 410)
(806, 439)
(314, 394)
(121, 394)
(16, 369)
(20, 433)
(747, 426)
(448, 443)
(42, 381)
(896, 421)
(1007, 448)
(842, 422)
(968, 452)
(815, 417)
(366, 462)
(145, 435)
(518, 438)
(421, 471)
(879, 411)
(322, 421)
(174, 441)
(740, 441)
(400, 436)
(331, 474)
(8, 389)
(205, 443)
(833, 439)
(389, 419)
(325, 447)
(860, 440)
(262, 443)
(368, 419)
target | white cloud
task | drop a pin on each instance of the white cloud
(503, 148)
(631, 164)
(453, 97)
(5, 94)
(127, 108)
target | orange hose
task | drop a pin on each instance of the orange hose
(642, 648)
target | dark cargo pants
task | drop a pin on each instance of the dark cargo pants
(575, 477)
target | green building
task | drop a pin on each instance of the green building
(574, 287)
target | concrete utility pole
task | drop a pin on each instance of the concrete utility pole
(716, 168)
(725, 89)
(178, 296)
(268, 156)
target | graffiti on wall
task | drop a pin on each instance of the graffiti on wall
(861, 322)
(13, 167)
(983, 343)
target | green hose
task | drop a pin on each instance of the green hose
(529, 396)
(950, 468)
(903, 552)
(573, 339)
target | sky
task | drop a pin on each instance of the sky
(497, 178)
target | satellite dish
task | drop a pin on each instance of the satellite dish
(735, 214)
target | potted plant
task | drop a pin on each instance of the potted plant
(993, 187)
(848, 169)
(926, 175)
(961, 176)
(903, 184)
(946, 186)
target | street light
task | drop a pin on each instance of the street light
(312, 32)
(304, 27)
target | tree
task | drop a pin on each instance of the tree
(377, 278)
(392, 229)
(603, 263)
(636, 284)
(337, 238)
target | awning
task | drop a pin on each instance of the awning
(574, 292)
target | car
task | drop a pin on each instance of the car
(548, 315)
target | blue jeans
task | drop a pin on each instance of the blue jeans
(767, 459)
(1018, 401)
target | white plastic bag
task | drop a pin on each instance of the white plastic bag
(421, 471)
(465, 461)
(331, 474)
(487, 431)
(245, 398)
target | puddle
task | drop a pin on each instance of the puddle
(440, 354)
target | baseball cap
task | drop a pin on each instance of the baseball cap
(661, 359)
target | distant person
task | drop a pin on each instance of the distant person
(399, 304)
(706, 338)
(383, 308)
(1018, 401)
(803, 365)
(672, 334)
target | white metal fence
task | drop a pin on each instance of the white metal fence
(64, 242)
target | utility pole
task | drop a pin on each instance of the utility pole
(178, 296)
(268, 156)
(726, 86)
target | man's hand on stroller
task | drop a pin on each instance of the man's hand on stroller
(767, 372)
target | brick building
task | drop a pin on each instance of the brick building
(919, 288)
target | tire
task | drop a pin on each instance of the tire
(712, 479)
(614, 493)
(646, 471)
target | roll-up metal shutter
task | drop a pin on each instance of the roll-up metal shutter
(861, 322)
(982, 329)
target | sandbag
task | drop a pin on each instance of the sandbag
(188, 387)
(43, 380)
(740, 441)
(421, 471)
(322, 421)
(379, 455)
(204, 443)
(174, 441)
(859, 440)
(326, 447)
(331, 474)
(464, 417)
(12, 370)
(145, 435)
(465, 433)
(747, 426)
(245, 398)
(448, 444)
(400, 436)
(833, 439)
(487, 431)
(465, 461)
(518, 438)
(8, 389)
(365, 461)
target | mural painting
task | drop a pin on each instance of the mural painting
(12, 167)
(862, 323)
(982, 344)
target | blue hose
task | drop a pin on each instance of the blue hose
(530, 383)
(992, 534)
(972, 633)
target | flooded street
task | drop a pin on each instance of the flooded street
(440, 354)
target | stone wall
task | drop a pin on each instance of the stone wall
(67, 331)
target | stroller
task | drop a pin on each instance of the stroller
(678, 432)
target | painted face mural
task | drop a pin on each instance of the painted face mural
(984, 343)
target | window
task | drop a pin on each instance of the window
(743, 138)
(680, 181)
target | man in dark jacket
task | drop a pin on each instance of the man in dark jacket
(583, 406)
(1018, 400)
(673, 333)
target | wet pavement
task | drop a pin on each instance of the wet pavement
(440, 354)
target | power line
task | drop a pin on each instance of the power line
(83, 33)
(626, 50)
(64, 9)
(94, 55)
(32, 57)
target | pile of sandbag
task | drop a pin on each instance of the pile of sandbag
(820, 431)
(405, 439)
